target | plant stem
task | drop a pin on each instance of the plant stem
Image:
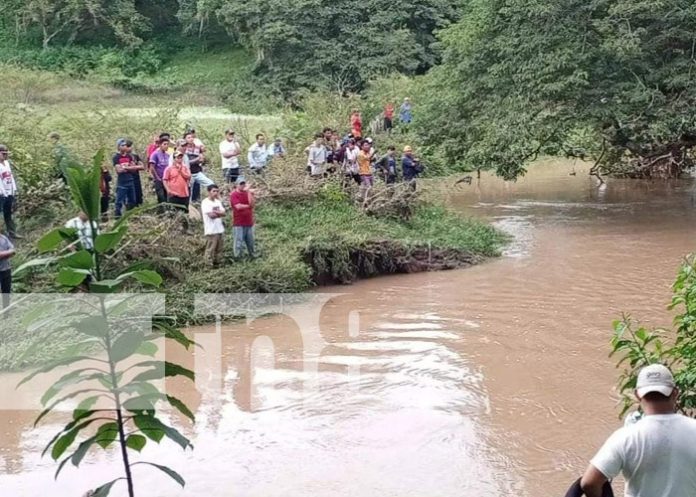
(119, 413)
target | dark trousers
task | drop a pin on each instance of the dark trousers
(183, 201)
(6, 204)
(160, 192)
(105, 198)
(138, 187)
(231, 174)
(125, 197)
(5, 287)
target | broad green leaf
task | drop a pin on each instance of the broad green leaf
(71, 378)
(136, 442)
(148, 277)
(66, 441)
(173, 333)
(150, 427)
(62, 399)
(126, 345)
(170, 472)
(78, 260)
(81, 423)
(81, 451)
(140, 404)
(105, 286)
(34, 263)
(148, 348)
(106, 434)
(49, 241)
(71, 277)
(104, 490)
(106, 242)
(85, 406)
(94, 326)
(181, 407)
(52, 366)
(162, 370)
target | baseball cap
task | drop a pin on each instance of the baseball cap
(654, 378)
(229, 131)
(240, 180)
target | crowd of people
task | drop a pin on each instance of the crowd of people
(176, 172)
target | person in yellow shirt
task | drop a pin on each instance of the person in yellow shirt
(365, 165)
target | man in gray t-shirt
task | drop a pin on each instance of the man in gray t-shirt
(7, 250)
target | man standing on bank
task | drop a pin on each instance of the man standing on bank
(213, 227)
(657, 454)
(7, 251)
(8, 192)
(242, 202)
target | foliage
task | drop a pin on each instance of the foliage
(338, 46)
(65, 19)
(519, 78)
(116, 398)
(637, 346)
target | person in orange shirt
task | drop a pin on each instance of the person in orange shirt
(365, 165)
(356, 124)
(176, 181)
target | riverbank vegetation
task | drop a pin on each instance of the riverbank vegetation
(493, 83)
(637, 346)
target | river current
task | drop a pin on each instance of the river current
(488, 381)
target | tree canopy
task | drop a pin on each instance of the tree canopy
(607, 79)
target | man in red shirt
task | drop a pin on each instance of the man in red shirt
(242, 202)
(388, 117)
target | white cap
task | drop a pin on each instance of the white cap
(654, 378)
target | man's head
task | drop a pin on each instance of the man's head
(178, 157)
(407, 100)
(229, 134)
(391, 150)
(181, 144)
(319, 137)
(164, 136)
(54, 136)
(408, 150)
(278, 141)
(163, 144)
(213, 192)
(351, 143)
(189, 137)
(366, 146)
(656, 389)
(83, 217)
(4, 152)
(124, 146)
(327, 133)
(192, 131)
(260, 138)
(240, 184)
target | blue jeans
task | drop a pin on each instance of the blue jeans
(125, 196)
(198, 181)
(243, 235)
(6, 206)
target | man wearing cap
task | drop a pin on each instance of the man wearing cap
(127, 166)
(229, 152)
(8, 191)
(657, 454)
(242, 202)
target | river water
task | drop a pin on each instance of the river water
(492, 380)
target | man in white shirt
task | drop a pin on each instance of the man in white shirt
(8, 192)
(259, 154)
(657, 454)
(83, 230)
(213, 227)
(229, 152)
(316, 156)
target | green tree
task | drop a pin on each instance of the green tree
(637, 346)
(604, 79)
(338, 45)
(61, 21)
(117, 399)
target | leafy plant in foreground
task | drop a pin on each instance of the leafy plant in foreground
(116, 392)
(639, 346)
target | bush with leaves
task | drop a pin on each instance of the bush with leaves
(638, 346)
(116, 391)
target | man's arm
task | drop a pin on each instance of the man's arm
(592, 482)
(251, 158)
(6, 254)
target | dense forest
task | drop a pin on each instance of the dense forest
(494, 82)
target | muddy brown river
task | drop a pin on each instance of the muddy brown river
(488, 381)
